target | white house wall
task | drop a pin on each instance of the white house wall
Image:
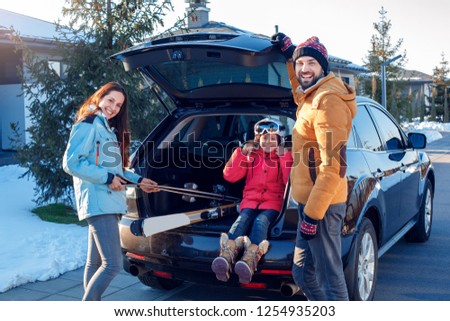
(39, 36)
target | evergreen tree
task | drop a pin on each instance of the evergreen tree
(393, 103)
(421, 104)
(442, 82)
(433, 105)
(381, 51)
(97, 29)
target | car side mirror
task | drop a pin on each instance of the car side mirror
(417, 140)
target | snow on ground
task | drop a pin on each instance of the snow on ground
(34, 250)
(431, 129)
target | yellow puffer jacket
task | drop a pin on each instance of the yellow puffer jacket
(324, 120)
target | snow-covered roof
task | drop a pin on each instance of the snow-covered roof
(29, 28)
(414, 75)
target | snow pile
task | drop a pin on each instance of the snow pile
(33, 250)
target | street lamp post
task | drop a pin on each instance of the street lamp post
(383, 79)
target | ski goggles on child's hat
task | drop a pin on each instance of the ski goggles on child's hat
(268, 126)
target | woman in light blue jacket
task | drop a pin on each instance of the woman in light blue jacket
(96, 156)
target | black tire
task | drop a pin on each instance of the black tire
(421, 231)
(365, 264)
(159, 283)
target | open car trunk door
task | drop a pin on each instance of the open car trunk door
(201, 69)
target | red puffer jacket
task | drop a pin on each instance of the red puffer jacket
(266, 177)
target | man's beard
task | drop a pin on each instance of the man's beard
(309, 83)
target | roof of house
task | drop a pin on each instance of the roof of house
(37, 31)
(414, 75)
(30, 29)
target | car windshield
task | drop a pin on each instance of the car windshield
(190, 75)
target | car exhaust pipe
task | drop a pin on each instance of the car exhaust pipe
(134, 270)
(289, 289)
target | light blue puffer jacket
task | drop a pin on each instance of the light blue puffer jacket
(93, 157)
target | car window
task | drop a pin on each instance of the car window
(366, 131)
(389, 131)
(351, 140)
(189, 75)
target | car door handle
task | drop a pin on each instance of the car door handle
(403, 168)
(379, 173)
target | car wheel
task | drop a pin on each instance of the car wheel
(159, 283)
(365, 265)
(422, 229)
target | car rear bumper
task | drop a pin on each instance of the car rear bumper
(181, 255)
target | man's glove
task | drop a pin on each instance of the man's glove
(308, 228)
(284, 43)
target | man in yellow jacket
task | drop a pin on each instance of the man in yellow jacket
(326, 107)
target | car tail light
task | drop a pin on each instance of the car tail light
(161, 274)
(131, 198)
(130, 192)
(135, 256)
(254, 286)
(278, 272)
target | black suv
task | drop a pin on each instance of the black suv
(215, 87)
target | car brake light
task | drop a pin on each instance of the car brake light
(162, 274)
(135, 256)
(254, 285)
(283, 272)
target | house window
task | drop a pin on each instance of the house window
(9, 63)
(346, 80)
(8, 73)
(56, 66)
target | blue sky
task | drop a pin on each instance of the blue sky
(344, 26)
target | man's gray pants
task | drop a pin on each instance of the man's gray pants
(317, 268)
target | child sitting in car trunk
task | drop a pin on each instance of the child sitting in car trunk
(266, 166)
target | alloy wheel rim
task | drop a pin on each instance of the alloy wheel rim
(428, 211)
(366, 266)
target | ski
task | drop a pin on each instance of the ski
(188, 194)
(153, 225)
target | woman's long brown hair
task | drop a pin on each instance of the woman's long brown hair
(120, 122)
